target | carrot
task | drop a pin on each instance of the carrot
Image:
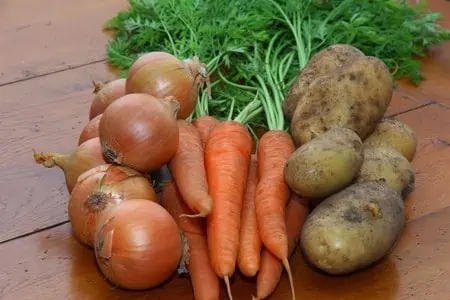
(271, 267)
(204, 125)
(188, 170)
(272, 194)
(249, 255)
(227, 157)
(206, 286)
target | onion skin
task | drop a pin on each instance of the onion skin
(161, 74)
(100, 189)
(90, 131)
(140, 131)
(105, 94)
(85, 157)
(138, 245)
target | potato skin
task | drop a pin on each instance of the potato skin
(389, 165)
(322, 63)
(324, 165)
(394, 134)
(356, 97)
(354, 228)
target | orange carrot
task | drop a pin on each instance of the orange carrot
(227, 157)
(249, 255)
(272, 194)
(204, 125)
(271, 267)
(188, 170)
(206, 286)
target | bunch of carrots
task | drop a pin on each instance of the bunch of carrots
(227, 196)
(255, 220)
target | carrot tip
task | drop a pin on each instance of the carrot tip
(289, 273)
(200, 215)
(227, 284)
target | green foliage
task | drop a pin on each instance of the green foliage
(254, 49)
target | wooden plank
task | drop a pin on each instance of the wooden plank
(42, 36)
(53, 265)
(436, 65)
(432, 159)
(47, 114)
(405, 99)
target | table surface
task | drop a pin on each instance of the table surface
(51, 50)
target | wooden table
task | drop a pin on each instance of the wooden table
(51, 50)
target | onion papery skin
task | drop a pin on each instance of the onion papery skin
(105, 94)
(90, 131)
(100, 189)
(161, 74)
(138, 245)
(86, 156)
(140, 131)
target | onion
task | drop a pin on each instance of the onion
(140, 131)
(138, 245)
(98, 190)
(105, 94)
(161, 74)
(90, 130)
(85, 157)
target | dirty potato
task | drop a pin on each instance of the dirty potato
(324, 165)
(356, 97)
(322, 63)
(354, 228)
(389, 165)
(395, 134)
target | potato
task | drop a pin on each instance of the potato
(324, 165)
(387, 164)
(395, 134)
(354, 228)
(320, 64)
(356, 97)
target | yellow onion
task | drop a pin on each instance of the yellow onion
(90, 130)
(105, 94)
(161, 74)
(140, 131)
(98, 190)
(86, 156)
(138, 245)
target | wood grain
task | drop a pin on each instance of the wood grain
(42, 36)
(431, 124)
(47, 114)
(53, 265)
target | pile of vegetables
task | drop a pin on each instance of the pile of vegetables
(155, 194)
(170, 175)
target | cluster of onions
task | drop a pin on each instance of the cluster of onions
(131, 132)
(98, 190)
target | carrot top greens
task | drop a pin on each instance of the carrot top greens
(254, 49)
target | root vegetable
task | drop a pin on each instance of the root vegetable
(249, 255)
(393, 134)
(204, 125)
(353, 228)
(140, 131)
(100, 189)
(138, 245)
(83, 158)
(271, 267)
(205, 282)
(227, 157)
(161, 74)
(272, 195)
(188, 170)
